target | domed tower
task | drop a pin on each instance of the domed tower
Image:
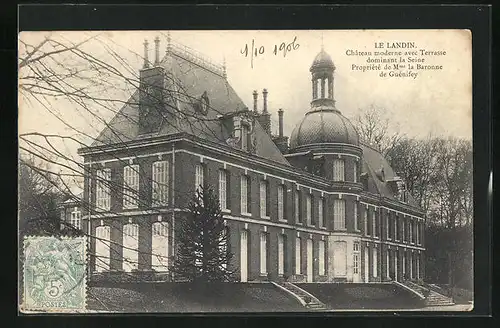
(325, 142)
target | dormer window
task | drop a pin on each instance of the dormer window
(203, 104)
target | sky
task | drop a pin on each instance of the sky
(437, 101)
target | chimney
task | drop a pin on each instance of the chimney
(255, 95)
(280, 122)
(264, 95)
(157, 51)
(265, 117)
(169, 42)
(146, 61)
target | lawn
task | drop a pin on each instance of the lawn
(185, 297)
(363, 296)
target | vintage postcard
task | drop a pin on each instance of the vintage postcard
(245, 171)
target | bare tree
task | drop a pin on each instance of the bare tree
(38, 197)
(90, 77)
(374, 128)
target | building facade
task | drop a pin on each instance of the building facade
(320, 207)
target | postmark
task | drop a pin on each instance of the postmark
(54, 275)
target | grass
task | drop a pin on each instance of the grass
(363, 296)
(186, 297)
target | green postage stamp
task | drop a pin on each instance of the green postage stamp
(54, 277)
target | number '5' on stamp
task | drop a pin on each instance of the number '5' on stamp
(54, 277)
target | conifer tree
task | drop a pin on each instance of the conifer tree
(204, 253)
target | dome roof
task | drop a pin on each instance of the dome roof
(322, 60)
(323, 126)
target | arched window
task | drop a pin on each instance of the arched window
(159, 246)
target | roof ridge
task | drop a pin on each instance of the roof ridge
(194, 57)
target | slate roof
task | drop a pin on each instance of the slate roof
(323, 126)
(188, 80)
(373, 161)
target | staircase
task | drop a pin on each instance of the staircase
(432, 297)
(416, 287)
(436, 299)
(305, 298)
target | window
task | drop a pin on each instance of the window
(387, 227)
(264, 201)
(375, 225)
(244, 193)
(160, 183)
(403, 229)
(412, 240)
(223, 187)
(281, 254)
(244, 137)
(369, 223)
(366, 221)
(297, 206)
(130, 247)
(263, 253)
(103, 197)
(76, 218)
(418, 266)
(411, 264)
(159, 246)
(321, 215)
(224, 246)
(396, 228)
(102, 248)
(355, 171)
(199, 177)
(280, 202)
(375, 264)
(338, 170)
(298, 257)
(131, 186)
(356, 219)
(355, 255)
(321, 257)
(392, 226)
(418, 233)
(387, 273)
(404, 264)
(339, 214)
(309, 209)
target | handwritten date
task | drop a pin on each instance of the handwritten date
(255, 51)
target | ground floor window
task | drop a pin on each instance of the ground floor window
(418, 266)
(387, 264)
(298, 252)
(281, 255)
(340, 258)
(130, 247)
(321, 257)
(263, 253)
(355, 257)
(102, 248)
(159, 246)
(375, 264)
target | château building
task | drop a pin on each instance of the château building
(318, 206)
